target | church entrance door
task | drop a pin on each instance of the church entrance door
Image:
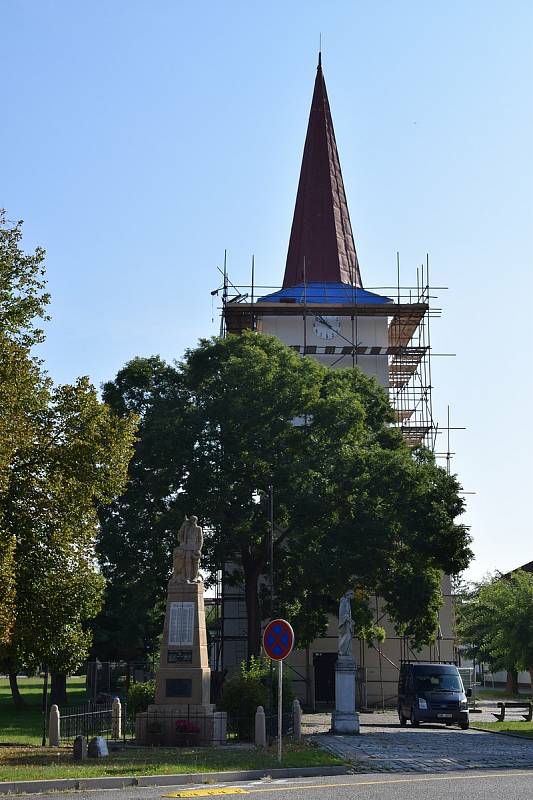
(324, 668)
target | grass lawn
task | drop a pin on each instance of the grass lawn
(34, 763)
(515, 727)
(499, 694)
(25, 726)
(26, 760)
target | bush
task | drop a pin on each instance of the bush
(249, 688)
(140, 696)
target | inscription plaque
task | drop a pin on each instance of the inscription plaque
(181, 623)
(178, 687)
(179, 657)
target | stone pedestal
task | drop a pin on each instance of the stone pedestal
(182, 713)
(345, 718)
(184, 676)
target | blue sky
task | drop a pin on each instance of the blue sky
(140, 139)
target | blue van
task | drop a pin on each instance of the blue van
(432, 692)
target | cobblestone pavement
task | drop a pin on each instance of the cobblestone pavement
(384, 746)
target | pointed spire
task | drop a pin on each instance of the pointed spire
(321, 233)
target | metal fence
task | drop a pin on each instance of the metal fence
(92, 719)
(165, 727)
(115, 677)
(190, 728)
(242, 728)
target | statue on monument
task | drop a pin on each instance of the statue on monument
(188, 553)
(346, 624)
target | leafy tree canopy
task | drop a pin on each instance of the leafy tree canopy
(22, 299)
(496, 621)
(78, 458)
(22, 295)
(352, 502)
(61, 453)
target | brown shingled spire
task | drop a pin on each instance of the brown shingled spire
(321, 231)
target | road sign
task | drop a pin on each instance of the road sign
(278, 639)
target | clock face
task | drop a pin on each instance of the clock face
(326, 327)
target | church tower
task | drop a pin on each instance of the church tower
(341, 324)
(323, 311)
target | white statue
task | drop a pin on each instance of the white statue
(188, 553)
(346, 624)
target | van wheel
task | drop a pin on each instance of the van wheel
(403, 720)
(415, 722)
(464, 726)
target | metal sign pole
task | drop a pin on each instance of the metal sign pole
(278, 641)
(280, 707)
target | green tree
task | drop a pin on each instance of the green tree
(78, 458)
(22, 301)
(62, 452)
(21, 394)
(139, 528)
(496, 621)
(352, 502)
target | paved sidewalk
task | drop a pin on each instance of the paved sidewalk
(384, 746)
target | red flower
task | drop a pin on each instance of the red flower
(185, 726)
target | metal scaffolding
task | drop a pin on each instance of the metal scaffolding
(408, 353)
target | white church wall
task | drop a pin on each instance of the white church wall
(366, 332)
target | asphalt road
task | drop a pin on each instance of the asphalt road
(508, 785)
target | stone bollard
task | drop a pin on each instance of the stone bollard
(54, 727)
(220, 728)
(116, 719)
(260, 727)
(297, 720)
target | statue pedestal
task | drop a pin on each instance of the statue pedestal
(182, 713)
(345, 718)
(184, 676)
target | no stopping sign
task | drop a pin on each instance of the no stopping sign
(278, 639)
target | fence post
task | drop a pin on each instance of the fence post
(54, 727)
(297, 720)
(260, 727)
(116, 719)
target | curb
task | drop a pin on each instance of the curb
(500, 733)
(75, 784)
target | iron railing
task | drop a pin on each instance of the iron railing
(92, 719)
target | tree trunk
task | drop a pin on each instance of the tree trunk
(253, 561)
(58, 694)
(512, 681)
(15, 692)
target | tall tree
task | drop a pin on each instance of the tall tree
(351, 498)
(352, 502)
(22, 302)
(496, 621)
(62, 452)
(77, 459)
(138, 529)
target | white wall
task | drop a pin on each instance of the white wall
(368, 332)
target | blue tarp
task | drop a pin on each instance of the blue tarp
(324, 293)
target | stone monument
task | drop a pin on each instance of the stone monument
(345, 718)
(183, 680)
